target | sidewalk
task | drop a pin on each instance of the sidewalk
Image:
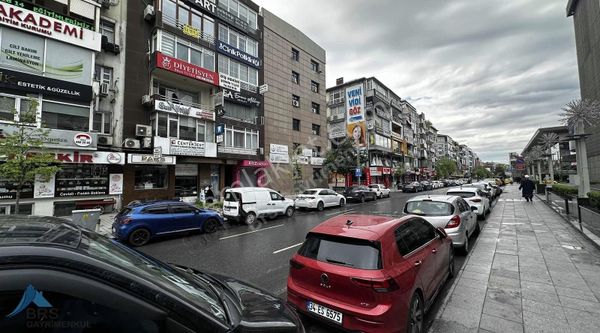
(530, 271)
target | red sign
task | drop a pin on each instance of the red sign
(387, 171)
(186, 69)
(257, 164)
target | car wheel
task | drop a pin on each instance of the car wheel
(320, 206)
(362, 198)
(451, 263)
(139, 237)
(289, 212)
(342, 202)
(250, 218)
(466, 247)
(210, 226)
(415, 315)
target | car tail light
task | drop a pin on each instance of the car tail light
(296, 265)
(380, 286)
(126, 220)
(475, 200)
(454, 222)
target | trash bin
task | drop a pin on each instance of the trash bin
(87, 218)
(540, 188)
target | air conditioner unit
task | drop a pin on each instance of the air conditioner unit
(296, 103)
(131, 143)
(143, 130)
(147, 142)
(149, 13)
(105, 140)
(146, 99)
(104, 89)
(114, 48)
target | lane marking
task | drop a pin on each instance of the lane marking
(287, 248)
(342, 213)
(251, 232)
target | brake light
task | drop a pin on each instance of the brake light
(380, 286)
(454, 222)
(296, 265)
(126, 220)
(475, 200)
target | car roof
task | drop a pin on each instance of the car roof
(369, 227)
(154, 202)
(316, 189)
(463, 189)
(21, 229)
(249, 189)
(442, 198)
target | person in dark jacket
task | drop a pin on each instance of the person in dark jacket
(210, 196)
(527, 187)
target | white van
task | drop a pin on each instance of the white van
(248, 203)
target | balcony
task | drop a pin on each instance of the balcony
(189, 30)
(335, 102)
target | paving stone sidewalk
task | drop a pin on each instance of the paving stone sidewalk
(530, 271)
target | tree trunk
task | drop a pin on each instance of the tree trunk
(18, 198)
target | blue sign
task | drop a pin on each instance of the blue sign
(238, 54)
(31, 295)
(358, 172)
(220, 129)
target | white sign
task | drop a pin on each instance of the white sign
(115, 183)
(302, 159)
(183, 110)
(82, 140)
(186, 147)
(355, 104)
(307, 152)
(336, 130)
(32, 22)
(157, 152)
(317, 160)
(89, 157)
(150, 159)
(279, 149)
(229, 82)
(279, 158)
(374, 171)
(43, 189)
(262, 89)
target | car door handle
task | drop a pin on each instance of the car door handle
(434, 250)
(418, 263)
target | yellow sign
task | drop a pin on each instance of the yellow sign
(191, 31)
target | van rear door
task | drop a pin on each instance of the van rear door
(231, 204)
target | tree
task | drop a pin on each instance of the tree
(482, 172)
(445, 167)
(500, 170)
(341, 159)
(23, 153)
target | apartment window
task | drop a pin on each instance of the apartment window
(12, 105)
(241, 138)
(296, 101)
(317, 174)
(296, 124)
(314, 86)
(316, 129)
(179, 48)
(107, 29)
(240, 11)
(178, 14)
(103, 74)
(295, 77)
(102, 122)
(180, 127)
(246, 74)
(316, 108)
(315, 66)
(66, 116)
(238, 40)
(295, 55)
(175, 95)
(240, 112)
(317, 151)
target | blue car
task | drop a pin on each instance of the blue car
(137, 224)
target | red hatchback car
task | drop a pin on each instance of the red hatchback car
(370, 273)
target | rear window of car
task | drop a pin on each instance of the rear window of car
(125, 211)
(310, 192)
(373, 186)
(232, 196)
(462, 194)
(345, 251)
(429, 208)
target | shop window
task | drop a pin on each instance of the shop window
(151, 177)
(24, 209)
(107, 29)
(296, 124)
(186, 186)
(11, 106)
(102, 122)
(316, 129)
(65, 116)
(241, 138)
(81, 179)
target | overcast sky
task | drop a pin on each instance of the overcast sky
(488, 73)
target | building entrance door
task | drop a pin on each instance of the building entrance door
(4, 210)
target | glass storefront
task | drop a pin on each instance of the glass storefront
(186, 180)
(82, 179)
(151, 177)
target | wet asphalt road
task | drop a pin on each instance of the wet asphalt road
(260, 254)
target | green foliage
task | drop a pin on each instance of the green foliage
(341, 159)
(445, 167)
(399, 172)
(594, 199)
(207, 205)
(500, 170)
(481, 172)
(23, 153)
(565, 190)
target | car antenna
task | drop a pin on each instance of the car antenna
(349, 223)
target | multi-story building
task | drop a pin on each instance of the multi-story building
(294, 107)
(586, 19)
(51, 60)
(193, 116)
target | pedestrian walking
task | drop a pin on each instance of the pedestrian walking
(527, 187)
(209, 194)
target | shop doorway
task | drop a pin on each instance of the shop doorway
(4, 210)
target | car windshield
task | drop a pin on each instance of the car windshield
(429, 208)
(310, 192)
(464, 194)
(345, 251)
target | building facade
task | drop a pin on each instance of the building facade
(586, 20)
(294, 107)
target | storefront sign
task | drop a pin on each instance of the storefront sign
(190, 31)
(242, 97)
(80, 22)
(238, 54)
(44, 188)
(336, 130)
(184, 110)
(279, 149)
(186, 69)
(257, 164)
(115, 183)
(307, 152)
(57, 139)
(83, 140)
(374, 171)
(150, 159)
(97, 157)
(229, 82)
(207, 5)
(45, 86)
(317, 160)
(302, 159)
(234, 20)
(387, 171)
(186, 147)
(382, 113)
(35, 23)
(279, 158)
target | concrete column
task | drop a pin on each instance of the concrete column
(582, 162)
(551, 167)
(539, 169)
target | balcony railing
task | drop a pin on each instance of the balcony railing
(335, 101)
(189, 30)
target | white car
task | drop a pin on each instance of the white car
(319, 198)
(475, 197)
(381, 190)
(437, 184)
(248, 203)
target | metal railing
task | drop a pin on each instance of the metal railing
(186, 27)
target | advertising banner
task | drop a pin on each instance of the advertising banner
(186, 69)
(238, 54)
(46, 86)
(43, 189)
(241, 97)
(229, 82)
(302, 159)
(336, 130)
(279, 154)
(61, 139)
(317, 160)
(183, 110)
(115, 183)
(185, 147)
(355, 114)
(357, 132)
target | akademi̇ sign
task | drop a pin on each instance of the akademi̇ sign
(27, 20)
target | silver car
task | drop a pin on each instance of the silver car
(450, 212)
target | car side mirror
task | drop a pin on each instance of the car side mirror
(473, 208)
(441, 232)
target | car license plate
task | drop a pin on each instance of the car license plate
(324, 312)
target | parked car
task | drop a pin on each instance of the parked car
(452, 213)
(380, 190)
(359, 193)
(248, 203)
(426, 185)
(475, 197)
(412, 187)
(437, 184)
(319, 198)
(79, 277)
(366, 273)
(138, 223)
(485, 188)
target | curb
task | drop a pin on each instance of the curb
(575, 224)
